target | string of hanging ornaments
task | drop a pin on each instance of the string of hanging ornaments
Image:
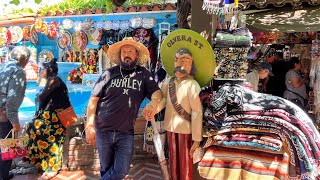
(220, 6)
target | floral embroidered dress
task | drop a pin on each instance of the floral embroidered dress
(46, 131)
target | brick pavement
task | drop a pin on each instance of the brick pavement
(142, 169)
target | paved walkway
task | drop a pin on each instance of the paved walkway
(142, 169)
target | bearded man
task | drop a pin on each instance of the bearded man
(114, 105)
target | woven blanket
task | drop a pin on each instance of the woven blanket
(220, 163)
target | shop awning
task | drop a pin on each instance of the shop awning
(285, 20)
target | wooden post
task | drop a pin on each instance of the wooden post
(202, 22)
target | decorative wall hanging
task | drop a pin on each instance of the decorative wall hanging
(5, 36)
(220, 6)
(34, 38)
(86, 25)
(53, 30)
(17, 34)
(107, 25)
(79, 41)
(94, 35)
(64, 42)
(124, 25)
(99, 25)
(45, 55)
(67, 24)
(136, 22)
(77, 26)
(115, 25)
(26, 32)
(148, 23)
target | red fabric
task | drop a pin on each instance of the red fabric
(179, 158)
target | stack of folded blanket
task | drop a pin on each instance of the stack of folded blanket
(257, 136)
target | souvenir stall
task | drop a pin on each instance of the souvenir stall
(80, 42)
(250, 135)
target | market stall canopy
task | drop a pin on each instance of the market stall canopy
(285, 19)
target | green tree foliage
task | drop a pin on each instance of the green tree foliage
(80, 5)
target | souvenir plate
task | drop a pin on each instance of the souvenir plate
(67, 24)
(53, 30)
(45, 55)
(64, 42)
(26, 32)
(99, 25)
(44, 28)
(116, 25)
(5, 36)
(86, 25)
(124, 25)
(148, 22)
(77, 25)
(17, 34)
(94, 35)
(107, 25)
(136, 22)
(79, 41)
(34, 38)
(38, 25)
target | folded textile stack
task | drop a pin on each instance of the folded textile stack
(257, 136)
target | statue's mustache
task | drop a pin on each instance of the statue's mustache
(180, 70)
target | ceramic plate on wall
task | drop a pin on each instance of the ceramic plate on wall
(67, 24)
(79, 40)
(136, 22)
(34, 38)
(148, 22)
(64, 42)
(45, 55)
(17, 34)
(107, 25)
(94, 35)
(53, 30)
(26, 32)
(5, 36)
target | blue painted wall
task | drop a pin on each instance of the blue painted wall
(46, 43)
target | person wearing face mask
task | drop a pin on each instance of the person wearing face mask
(12, 90)
(46, 132)
(114, 105)
(263, 70)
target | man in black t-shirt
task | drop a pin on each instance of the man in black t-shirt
(114, 105)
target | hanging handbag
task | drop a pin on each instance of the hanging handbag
(12, 148)
(67, 116)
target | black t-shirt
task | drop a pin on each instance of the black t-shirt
(120, 97)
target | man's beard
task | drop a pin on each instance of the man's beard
(128, 64)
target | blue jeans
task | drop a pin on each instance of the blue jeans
(5, 165)
(115, 153)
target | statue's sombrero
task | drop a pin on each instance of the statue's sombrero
(200, 48)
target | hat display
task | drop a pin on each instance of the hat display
(200, 48)
(114, 51)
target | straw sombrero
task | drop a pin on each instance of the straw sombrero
(114, 51)
(200, 48)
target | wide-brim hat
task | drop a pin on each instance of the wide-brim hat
(202, 53)
(114, 51)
